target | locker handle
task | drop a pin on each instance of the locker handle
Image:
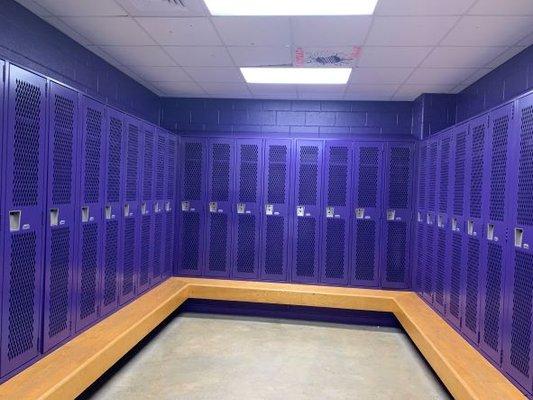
(144, 209)
(518, 237)
(14, 220)
(167, 206)
(126, 210)
(54, 217)
(85, 214)
(455, 226)
(391, 215)
(419, 217)
(156, 207)
(470, 227)
(440, 221)
(108, 212)
(490, 232)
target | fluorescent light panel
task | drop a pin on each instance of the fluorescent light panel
(290, 7)
(297, 76)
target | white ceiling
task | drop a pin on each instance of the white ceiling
(409, 47)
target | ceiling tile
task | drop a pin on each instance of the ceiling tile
(392, 56)
(253, 31)
(409, 31)
(258, 56)
(200, 56)
(153, 56)
(320, 89)
(215, 74)
(321, 96)
(151, 8)
(83, 8)
(179, 89)
(113, 31)
(440, 76)
(526, 40)
(462, 56)
(499, 7)
(476, 75)
(162, 74)
(330, 31)
(369, 92)
(239, 90)
(181, 31)
(411, 92)
(271, 91)
(100, 53)
(424, 7)
(489, 31)
(35, 8)
(67, 30)
(379, 75)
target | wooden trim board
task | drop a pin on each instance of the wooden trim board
(68, 371)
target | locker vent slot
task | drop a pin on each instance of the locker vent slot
(62, 150)
(337, 183)
(309, 154)
(399, 173)
(478, 140)
(113, 160)
(338, 155)
(220, 172)
(190, 241)
(305, 247)
(428, 275)
(146, 248)
(21, 294)
(171, 168)
(218, 242)
(455, 278)
(472, 285)
(26, 139)
(275, 245)
(89, 265)
(444, 175)
(132, 163)
(525, 169)
(192, 173)
(365, 250)
(249, 153)
(459, 186)
(129, 256)
(110, 267)
(169, 242)
(441, 266)
(148, 166)
(59, 281)
(396, 245)
(246, 243)
(422, 178)
(335, 243)
(158, 245)
(277, 178)
(500, 132)
(307, 184)
(491, 333)
(420, 258)
(368, 177)
(248, 173)
(160, 169)
(93, 150)
(432, 170)
(277, 154)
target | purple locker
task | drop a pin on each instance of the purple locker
(25, 171)
(157, 235)
(308, 197)
(517, 360)
(430, 229)
(476, 181)
(276, 197)
(454, 290)
(421, 218)
(247, 208)
(396, 225)
(169, 206)
(192, 212)
(61, 209)
(89, 217)
(149, 158)
(336, 208)
(495, 248)
(220, 160)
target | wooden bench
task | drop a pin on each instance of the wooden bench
(72, 368)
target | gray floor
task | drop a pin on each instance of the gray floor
(213, 357)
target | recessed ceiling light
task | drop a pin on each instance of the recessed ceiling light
(291, 7)
(297, 76)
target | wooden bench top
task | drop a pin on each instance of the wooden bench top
(68, 371)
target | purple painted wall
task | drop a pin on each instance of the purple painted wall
(27, 40)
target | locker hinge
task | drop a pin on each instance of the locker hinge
(479, 337)
(460, 322)
(501, 356)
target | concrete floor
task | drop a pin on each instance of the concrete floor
(218, 357)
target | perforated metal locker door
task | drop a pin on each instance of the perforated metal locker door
(247, 208)
(431, 225)
(61, 209)
(518, 359)
(496, 216)
(397, 215)
(158, 209)
(23, 231)
(421, 218)
(170, 205)
(220, 181)
(308, 211)
(192, 206)
(276, 210)
(476, 181)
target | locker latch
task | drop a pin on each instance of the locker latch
(85, 217)
(269, 209)
(429, 219)
(127, 212)
(185, 206)
(300, 211)
(168, 208)
(330, 212)
(490, 232)
(360, 213)
(241, 208)
(519, 238)
(470, 228)
(419, 217)
(157, 208)
(144, 209)
(54, 217)
(213, 207)
(109, 212)
(391, 215)
(441, 221)
(14, 220)
(455, 225)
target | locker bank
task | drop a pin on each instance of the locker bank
(227, 199)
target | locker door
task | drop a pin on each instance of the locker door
(442, 224)
(113, 214)
(430, 238)
(336, 220)
(519, 289)
(61, 208)
(169, 207)
(457, 244)
(275, 228)
(247, 208)
(220, 160)
(25, 147)
(421, 218)
(398, 183)
(192, 213)
(476, 179)
(147, 206)
(308, 211)
(495, 212)
(156, 242)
